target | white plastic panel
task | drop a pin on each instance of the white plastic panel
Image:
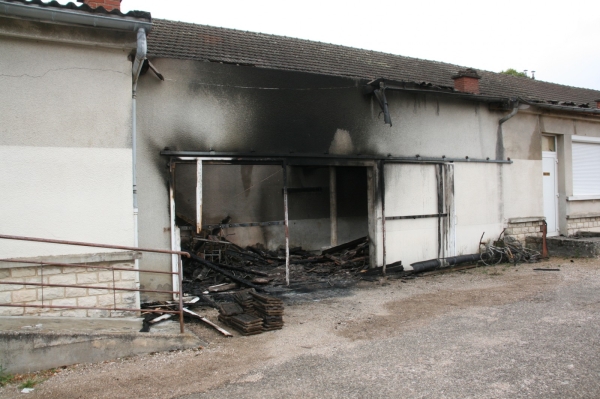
(411, 190)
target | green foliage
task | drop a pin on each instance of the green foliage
(514, 72)
(5, 378)
(29, 383)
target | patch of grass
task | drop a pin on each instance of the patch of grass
(5, 378)
(28, 383)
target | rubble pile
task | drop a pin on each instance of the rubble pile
(234, 280)
(218, 265)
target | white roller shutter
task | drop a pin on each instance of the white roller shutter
(586, 168)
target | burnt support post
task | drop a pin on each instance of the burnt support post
(442, 230)
(180, 295)
(174, 241)
(450, 209)
(286, 224)
(333, 205)
(382, 194)
(198, 195)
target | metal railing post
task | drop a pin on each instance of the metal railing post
(180, 273)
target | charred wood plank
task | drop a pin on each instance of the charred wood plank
(205, 320)
(344, 246)
(242, 270)
(225, 273)
(222, 287)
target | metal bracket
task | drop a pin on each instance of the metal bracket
(380, 96)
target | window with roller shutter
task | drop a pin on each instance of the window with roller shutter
(586, 166)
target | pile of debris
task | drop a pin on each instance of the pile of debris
(252, 313)
(234, 280)
(217, 265)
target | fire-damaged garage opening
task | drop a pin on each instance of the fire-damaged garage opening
(258, 223)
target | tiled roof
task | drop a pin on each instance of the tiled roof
(84, 7)
(180, 40)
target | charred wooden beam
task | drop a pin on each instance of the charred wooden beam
(220, 270)
(344, 246)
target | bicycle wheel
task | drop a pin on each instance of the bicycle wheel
(488, 256)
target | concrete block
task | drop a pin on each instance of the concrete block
(5, 297)
(129, 297)
(87, 301)
(571, 247)
(10, 312)
(74, 313)
(122, 314)
(64, 302)
(87, 278)
(93, 291)
(71, 292)
(107, 275)
(11, 287)
(125, 276)
(36, 279)
(73, 270)
(4, 273)
(28, 351)
(108, 300)
(125, 284)
(98, 313)
(51, 313)
(36, 311)
(23, 271)
(24, 296)
(49, 270)
(62, 279)
(51, 293)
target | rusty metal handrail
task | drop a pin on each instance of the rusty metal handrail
(41, 264)
(36, 262)
(89, 244)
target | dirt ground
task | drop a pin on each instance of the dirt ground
(320, 325)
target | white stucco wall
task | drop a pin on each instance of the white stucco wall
(79, 194)
(65, 143)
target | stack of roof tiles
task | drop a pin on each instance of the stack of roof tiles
(270, 309)
(245, 300)
(252, 313)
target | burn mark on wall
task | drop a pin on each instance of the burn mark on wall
(246, 175)
(535, 143)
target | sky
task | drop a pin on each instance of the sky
(557, 40)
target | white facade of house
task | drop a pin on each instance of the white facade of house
(65, 162)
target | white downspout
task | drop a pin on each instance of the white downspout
(140, 56)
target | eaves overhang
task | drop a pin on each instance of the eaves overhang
(498, 101)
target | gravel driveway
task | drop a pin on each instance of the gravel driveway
(494, 332)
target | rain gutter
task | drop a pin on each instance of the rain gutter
(72, 17)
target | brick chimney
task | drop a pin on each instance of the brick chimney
(467, 81)
(598, 104)
(108, 5)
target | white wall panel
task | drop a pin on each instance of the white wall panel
(411, 189)
(79, 194)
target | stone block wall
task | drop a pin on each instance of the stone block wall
(576, 224)
(523, 229)
(69, 296)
